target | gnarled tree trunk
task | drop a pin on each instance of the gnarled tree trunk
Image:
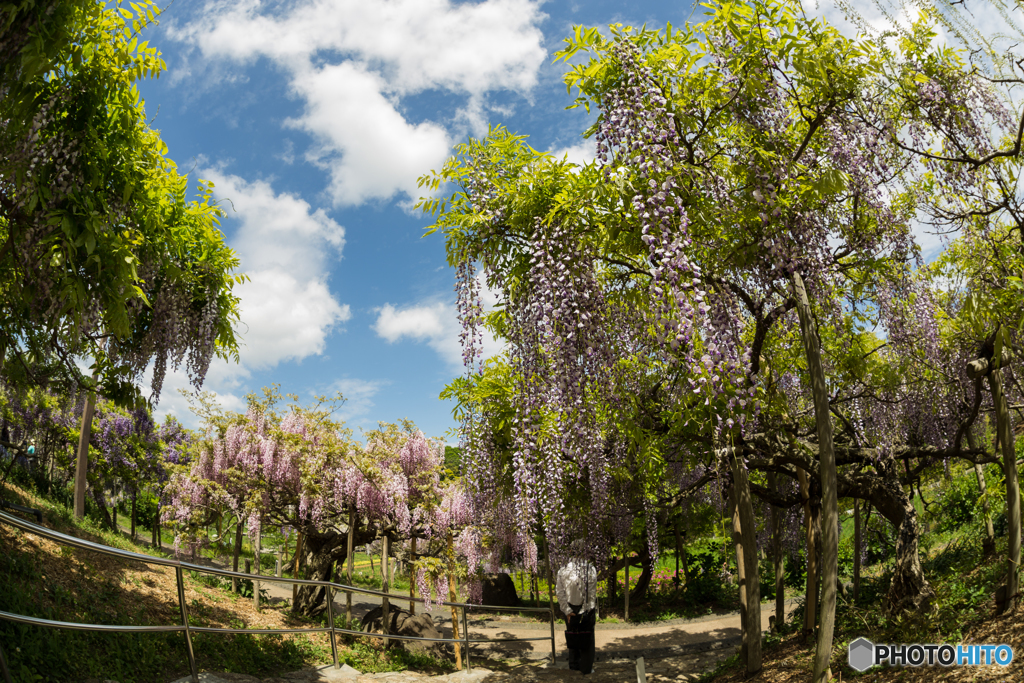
(746, 562)
(778, 558)
(322, 551)
(639, 592)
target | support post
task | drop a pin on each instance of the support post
(856, 548)
(256, 583)
(385, 604)
(330, 623)
(465, 637)
(184, 621)
(295, 570)
(238, 551)
(412, 579)
(625, 560)
(348, 562)
(829, 486)
(453, 597)
(82, 464)
(1013, 545)
(988, 544)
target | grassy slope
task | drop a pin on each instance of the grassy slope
(964, 582)
(43, 579)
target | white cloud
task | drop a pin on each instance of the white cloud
(369, 149)
(358, 395)
(173, 403)
(580, 154)
(287, 310)
(353, 61)
(437, 324)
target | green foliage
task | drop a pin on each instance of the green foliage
(95, 220)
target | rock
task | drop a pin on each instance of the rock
(499, 590)
(343, 673)
(402, 623)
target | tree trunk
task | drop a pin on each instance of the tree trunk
(829, 487)
(238, 550)
(321, 551)
(97, 497)
(988, 544)
(856, 548)
(811, 534)
(134, 496)
(646, 571)
(778, 559)
(1005, 433)
(746, 560)
(83, 455)
(909, 589)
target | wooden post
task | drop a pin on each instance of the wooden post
(828, 477)
(988, 544)
(453, 597)
(1005, 435)
(256, 553)
(385, 603)
(679, 551)
(811, 591)
(856, 548)
(349, 559)
(238, 551)
(82, 464)
(295, 569)
(777, 557)
(625, 559)
(412, 579)
(134, 496)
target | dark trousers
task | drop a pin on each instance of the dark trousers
(581, 659)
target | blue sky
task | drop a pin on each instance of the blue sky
(315, 118)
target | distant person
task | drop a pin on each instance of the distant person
(576, 588)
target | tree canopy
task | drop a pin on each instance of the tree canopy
(103, 255)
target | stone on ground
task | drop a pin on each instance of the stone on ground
(500, 591)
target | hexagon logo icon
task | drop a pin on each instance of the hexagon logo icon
(861, 654)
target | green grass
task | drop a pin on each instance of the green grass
(97, 594)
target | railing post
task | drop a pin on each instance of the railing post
(552, 619)
(330, 622)
(465, 637)
(184, 621)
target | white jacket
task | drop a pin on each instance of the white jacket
(577, 584)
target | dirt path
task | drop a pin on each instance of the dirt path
(677, 650)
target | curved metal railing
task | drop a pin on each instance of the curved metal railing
(187, 628)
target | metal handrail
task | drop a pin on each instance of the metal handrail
(178, 566)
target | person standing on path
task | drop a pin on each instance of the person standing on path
(576, 588)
